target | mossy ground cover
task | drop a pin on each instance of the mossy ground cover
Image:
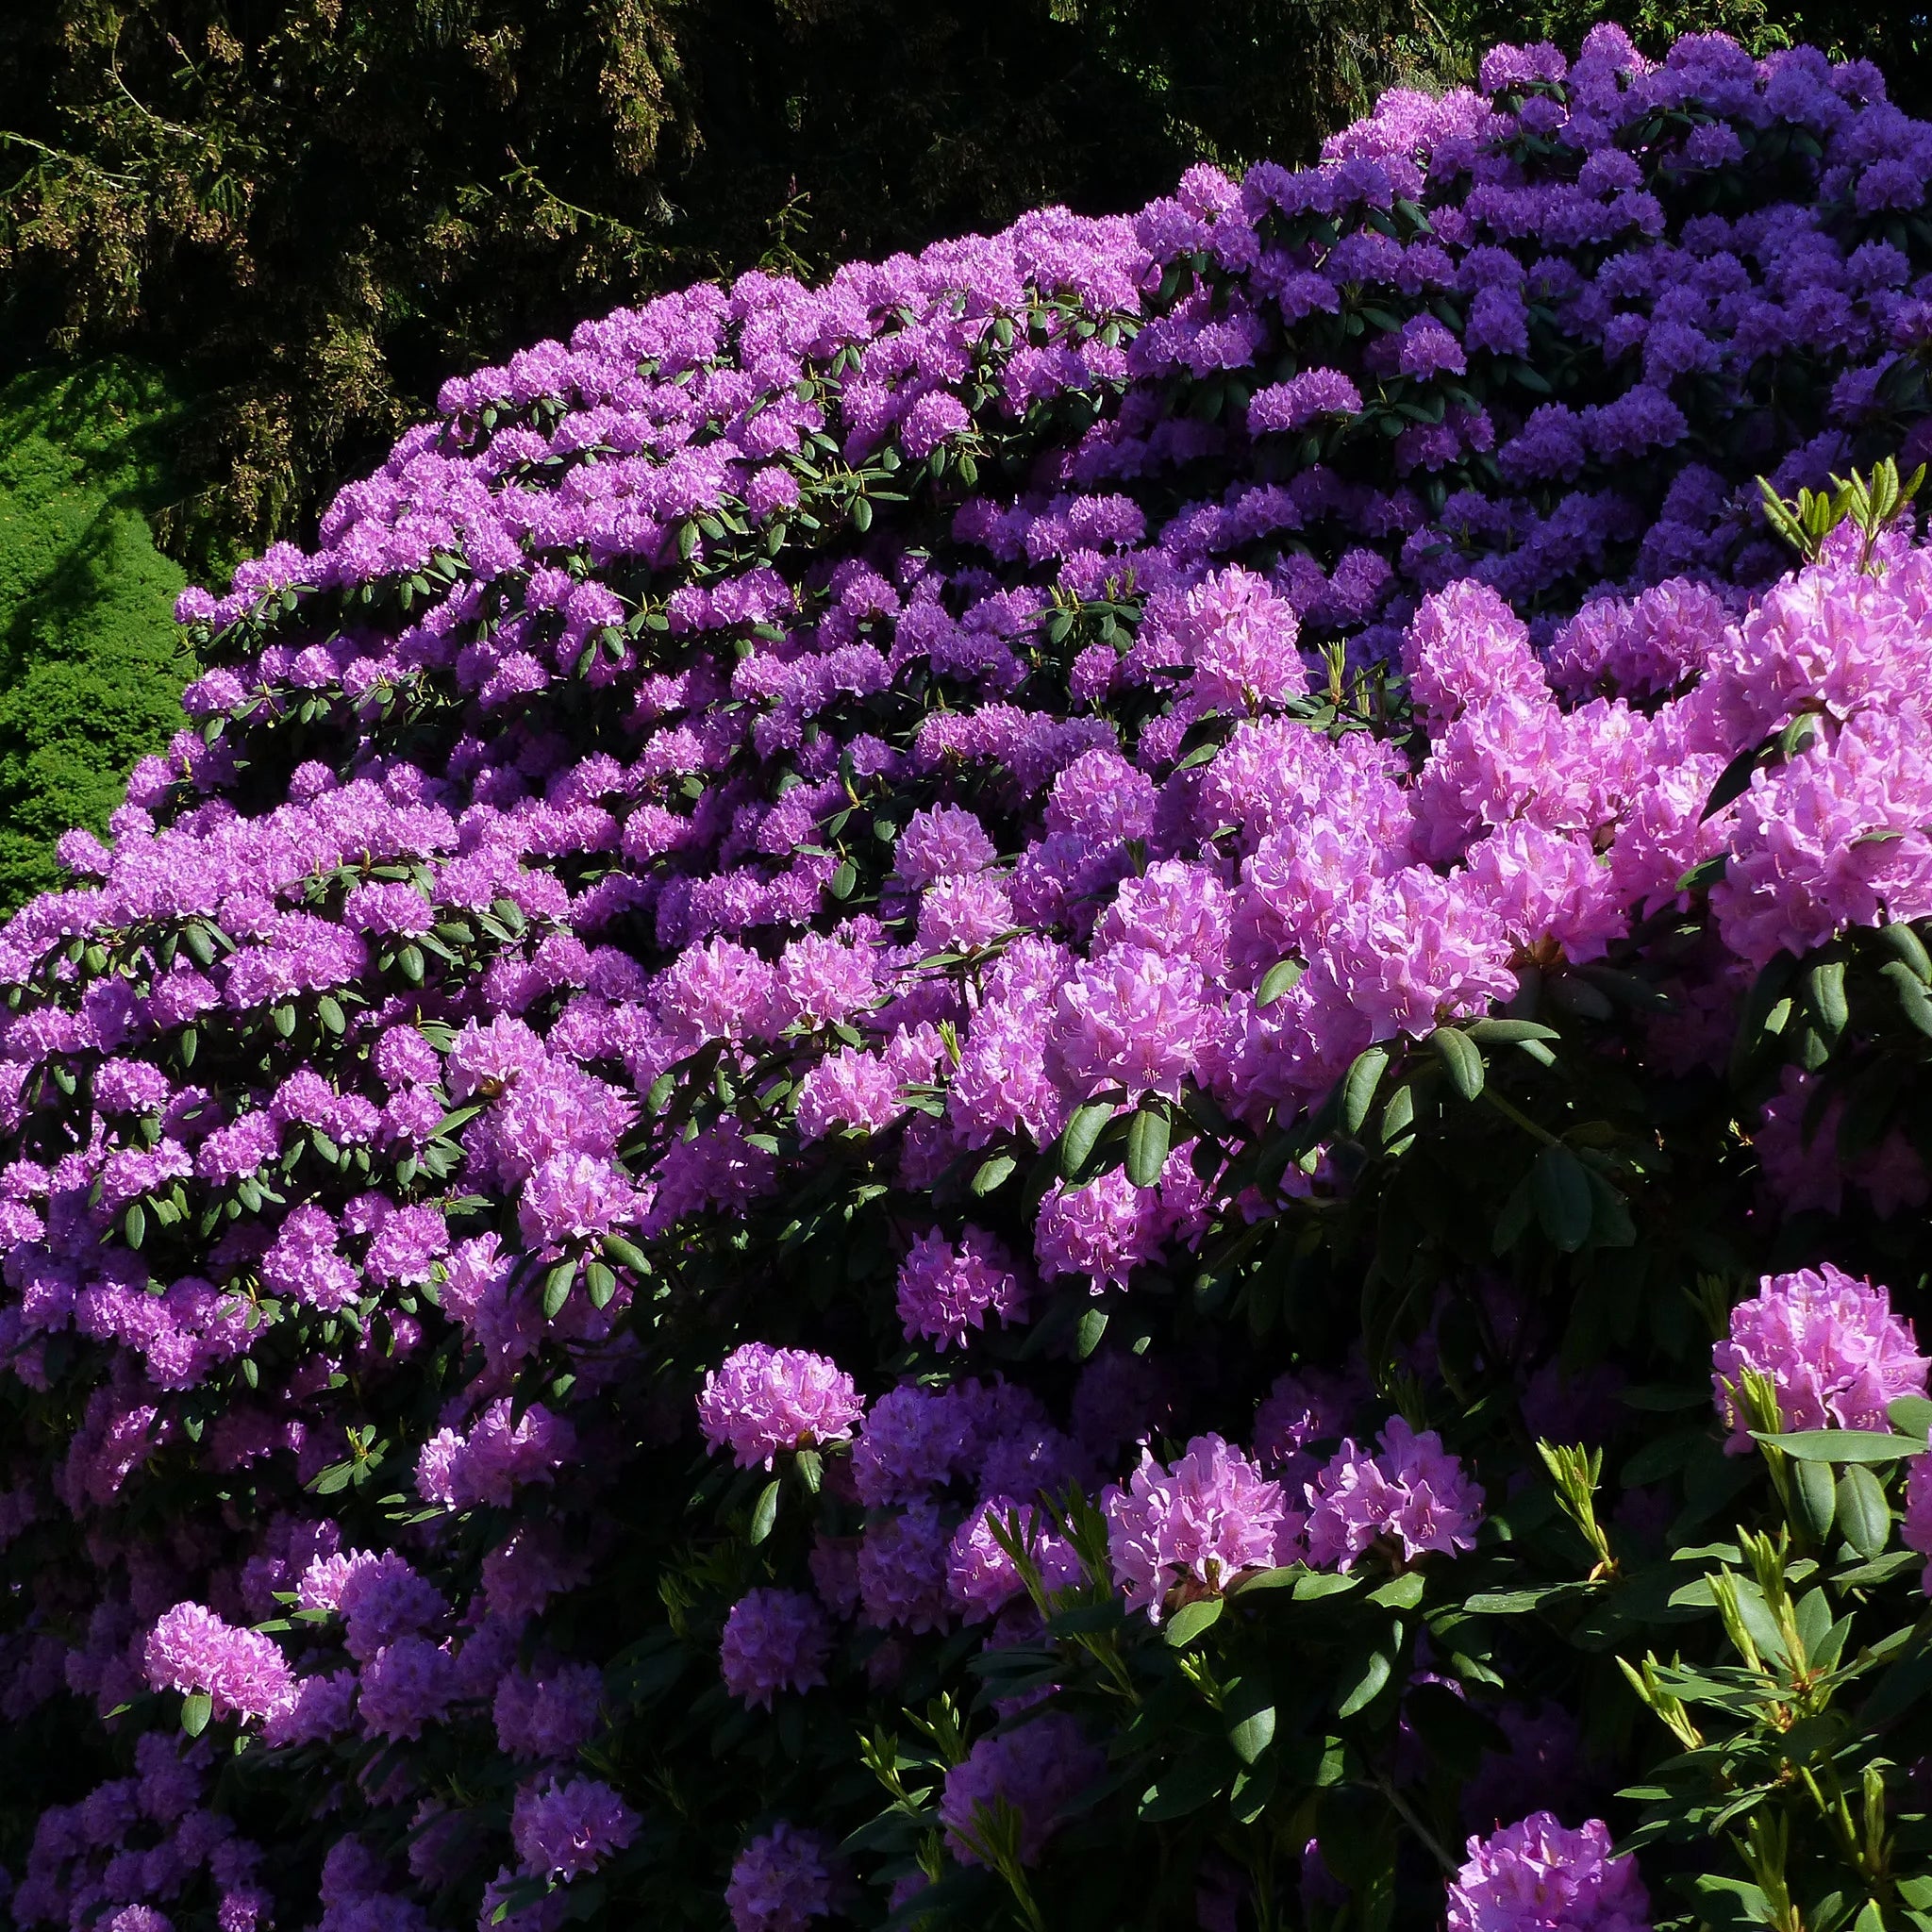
(90, 670)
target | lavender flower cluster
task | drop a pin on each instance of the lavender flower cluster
(661, 1112)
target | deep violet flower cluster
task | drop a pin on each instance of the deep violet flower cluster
(1034, 1770)
(771, 972)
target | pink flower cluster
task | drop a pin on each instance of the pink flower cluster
(1541, 1877)
(765, 1400)
(1199, 1525)
(1831, 1346)
(1411, 1495)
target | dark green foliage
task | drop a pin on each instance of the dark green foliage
(91, 673)
(315, 211)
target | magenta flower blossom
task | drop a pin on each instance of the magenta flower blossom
(1241, 636)
(902, 1571)
(575, 1197)
(1194, 1527)
(549, 1716)
(1831, 1347)
(1915, 1529)
(946, 1292)
(1303, 1407)
(635, 788)
(774, 1640)
(963, 913)
(241, 1673)
(914, 1439)
(565, 1830)
(933, 418)
(941, 841)
(981, 1575)
(1412, 1494)
(1540, 1876)
(1412, 950)
(764, 1400)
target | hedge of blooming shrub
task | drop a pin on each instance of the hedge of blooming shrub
(1081, 1086)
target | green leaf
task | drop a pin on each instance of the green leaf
(601, 1282)
(1824, 994)
(1863, 1514)
(1400, 1592)
(134, 1224)
(328, 1010)
(1277, 980)
(1376, 1674)
(1914, 1001)
(625, 1253)
(557, 1287)
(1191, 1620)
(1185, 1788)
(1814, 1498)
(1509, 1032)
(1842, 1445)
(1358, 1087)
(333, 1479)
(843, 881)
(1909, 948)
(1253, 1733)
(992, 1173)
(1082, 1131)
(1087, 1337)
(1463, 1059)
(1703, 875)
(197, 1709)
(1911, 1415)
(1560, 1191)
(1732, 782)
(1515, 1603)
(1147, 1144)
(1312, 1586)
(766, 1511)
(1398, 1117)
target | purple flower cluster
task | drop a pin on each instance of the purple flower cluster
(1411, 1496)
(774, 1640)
(1540, 1876)
(1196, 1527)
(1036, 1769)
(629, 919)
(1829, 1345)
(763, 1401)
(782, 1881)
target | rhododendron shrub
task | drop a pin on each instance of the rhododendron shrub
(1082, 1085)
